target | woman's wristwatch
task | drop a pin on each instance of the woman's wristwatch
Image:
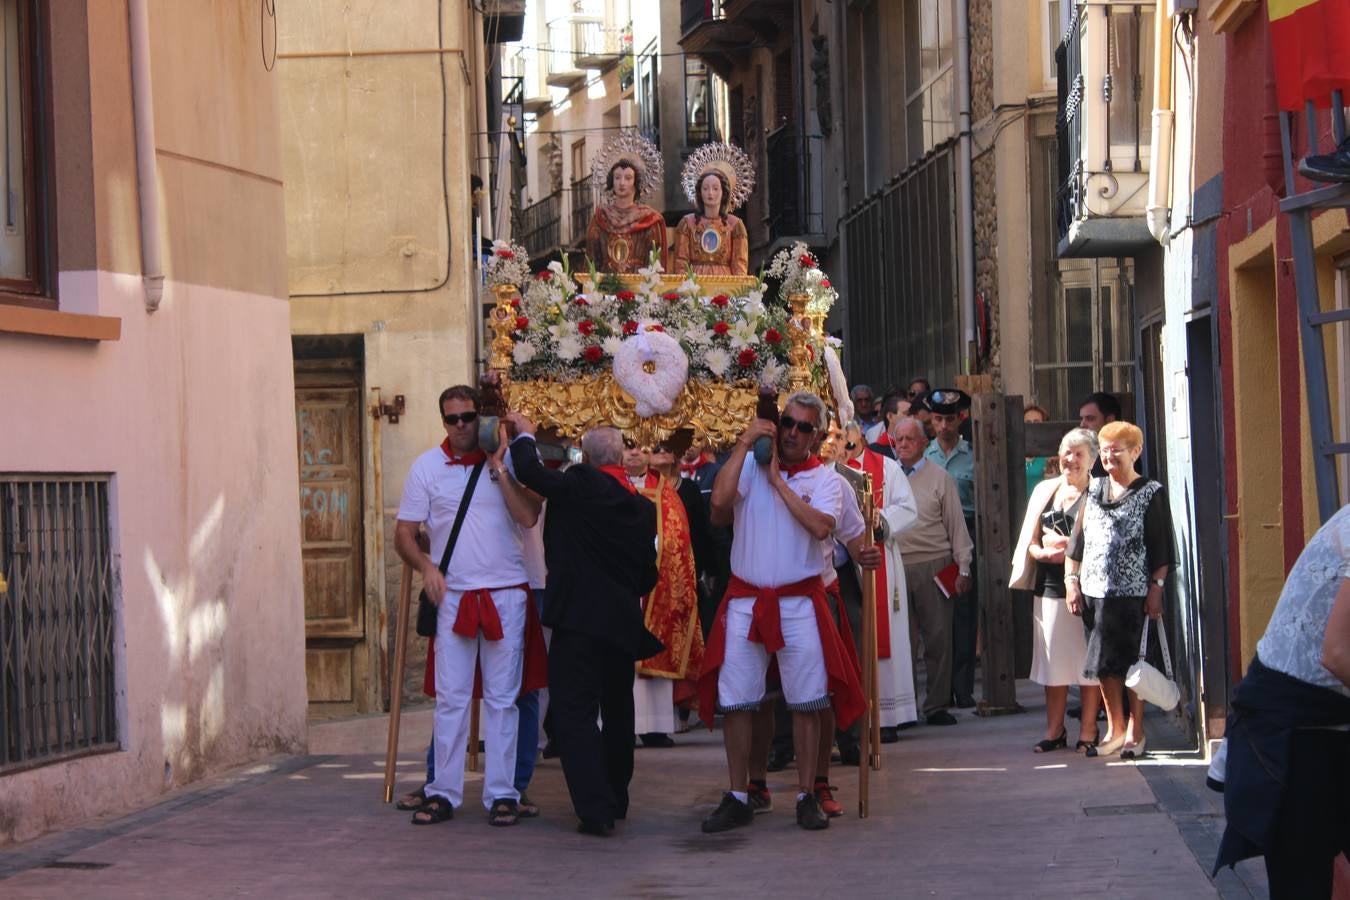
(1160, 582)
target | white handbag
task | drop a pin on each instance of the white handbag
(1150, 684)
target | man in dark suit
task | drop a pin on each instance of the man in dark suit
(600, 549)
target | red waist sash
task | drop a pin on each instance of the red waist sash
(766, 628)
(478, 612)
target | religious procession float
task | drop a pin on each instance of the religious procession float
(656, 346)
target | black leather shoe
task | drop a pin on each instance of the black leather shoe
(657, 739)
(594, 828)
(730, 813)
(941, 717)
(809, 814)
(889, 736)
(550, 751)
(779, 759)
(850, 755)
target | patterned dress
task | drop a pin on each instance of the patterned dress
(716, 246)
(621, 239)
(1120, 543)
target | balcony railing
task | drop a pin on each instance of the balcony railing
(694, 13)
(1105, 71)
(560, 59)
(582, 204)
(794, 184)
(538, 229)
(596, 43)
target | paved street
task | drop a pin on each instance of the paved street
(966, 811)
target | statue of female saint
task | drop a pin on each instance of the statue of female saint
(624, 232)
(711, 241)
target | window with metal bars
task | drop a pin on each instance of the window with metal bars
(57, 673)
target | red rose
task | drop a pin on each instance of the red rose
(824, 282)
(506, 254)
(810, 351)
(660, 328)
(746, 358)
(630, 327)
(515, 303)
(522, 323)
(593, 353)
(806, 261)
(626, 296)
(545, 275)
(586, 326)
(721, 300)
(772, 336)
(671, 296)
(721, 328)
(581, 301)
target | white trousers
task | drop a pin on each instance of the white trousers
(801, 662)
(502, 663)
(653, 705)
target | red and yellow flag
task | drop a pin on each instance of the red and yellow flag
(1310, 40)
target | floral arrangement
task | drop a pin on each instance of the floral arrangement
(562, 331)
(799, 272)
(508, 264)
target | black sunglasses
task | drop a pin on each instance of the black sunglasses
(787, 423)
(851, 445)
(456, 418)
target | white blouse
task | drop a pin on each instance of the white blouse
(1292, 643)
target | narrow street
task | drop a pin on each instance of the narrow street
(965, 811)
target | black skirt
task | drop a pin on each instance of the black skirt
(1113, 627)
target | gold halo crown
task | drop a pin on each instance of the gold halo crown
(635, 150)
(728, 160)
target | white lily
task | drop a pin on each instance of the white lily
(742, 334)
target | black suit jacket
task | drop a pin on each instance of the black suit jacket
(600, 547)
(884, 450)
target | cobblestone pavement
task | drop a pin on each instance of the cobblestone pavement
(964, 811)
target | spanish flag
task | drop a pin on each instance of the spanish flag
(1311, 43)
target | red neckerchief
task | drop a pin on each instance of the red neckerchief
(691, 469)
(619, 474)
(472, 458)
(805, 465)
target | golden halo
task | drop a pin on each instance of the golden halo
(728, 160)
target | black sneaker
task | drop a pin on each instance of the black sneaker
(809, 814)
(1333, 166)
(941, 717)
(730, 813)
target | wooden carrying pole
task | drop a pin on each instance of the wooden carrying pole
(870, 732)
(396, 680)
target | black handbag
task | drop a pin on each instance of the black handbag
(426, 610)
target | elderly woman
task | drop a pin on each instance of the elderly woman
(1058, 646)
(1114, 574)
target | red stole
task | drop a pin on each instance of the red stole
(534, 674)
(619, 474)
(765, 627)
(670, 611)
(872, 464)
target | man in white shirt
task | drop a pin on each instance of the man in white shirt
(482, 602)
(783, 513)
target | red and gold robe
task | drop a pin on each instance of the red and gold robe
(711, 246)
(621, 240)
(671, 609)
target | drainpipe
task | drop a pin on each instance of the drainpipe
(142, 94)
(478, 87)
(965, 216)
(1158, 213)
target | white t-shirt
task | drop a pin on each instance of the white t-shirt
(490, 549)
(1293, 640)
(769, 547)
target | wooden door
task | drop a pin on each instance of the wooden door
(328, 430)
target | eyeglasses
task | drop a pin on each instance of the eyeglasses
(456, 418)
(787, 423)
(629, 444)
(851, 445)
(659, 449)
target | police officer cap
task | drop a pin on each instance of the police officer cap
(946, 401)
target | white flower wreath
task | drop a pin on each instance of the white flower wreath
(652, 368)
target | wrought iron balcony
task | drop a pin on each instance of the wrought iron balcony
(538, 229)
(1105, 68)
(794, 186)
(560, 59)
(596, 43)
(707, 31)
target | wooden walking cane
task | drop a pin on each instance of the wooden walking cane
(473, 735)
(870, 733)
(396, 681)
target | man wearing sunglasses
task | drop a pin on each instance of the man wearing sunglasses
(784, 513)
(484, 614)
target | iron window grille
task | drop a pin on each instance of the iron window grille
(57, 668)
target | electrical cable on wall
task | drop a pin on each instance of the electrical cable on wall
(445, 182)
